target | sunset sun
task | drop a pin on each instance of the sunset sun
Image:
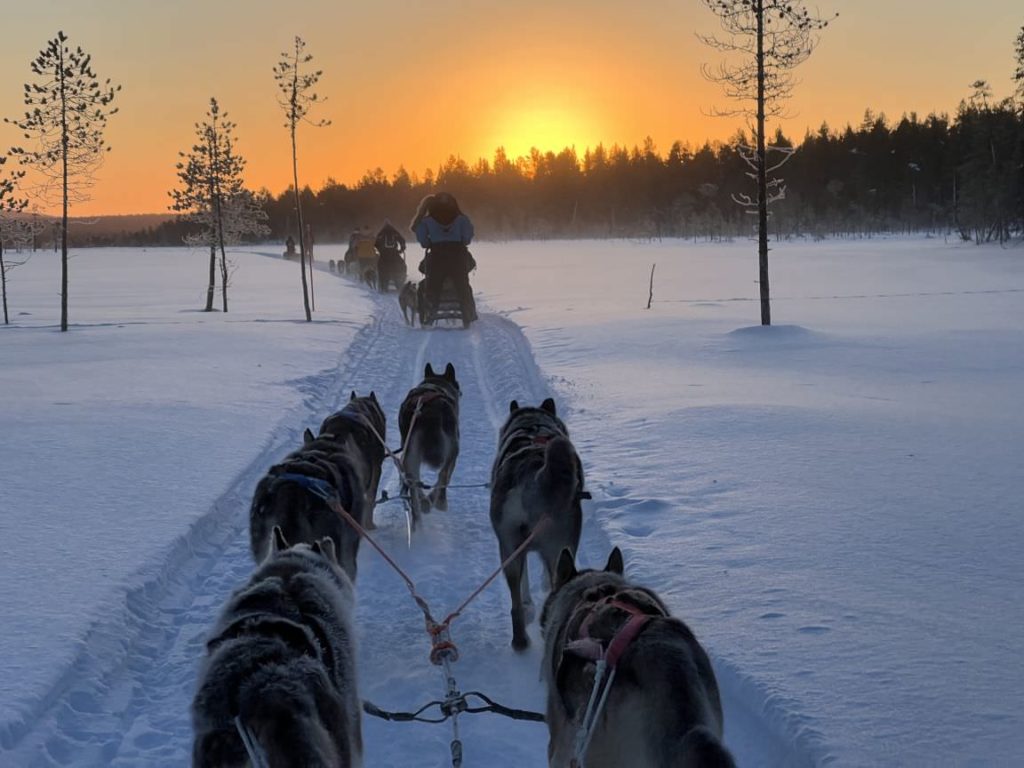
(547, 127)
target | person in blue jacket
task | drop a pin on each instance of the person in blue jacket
(445, 232)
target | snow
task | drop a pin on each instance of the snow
(831, 503)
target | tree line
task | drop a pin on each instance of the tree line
(961, 174)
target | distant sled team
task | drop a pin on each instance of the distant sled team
(378, 261)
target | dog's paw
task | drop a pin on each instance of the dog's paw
(520, 644)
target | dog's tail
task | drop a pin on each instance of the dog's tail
(295, 719)
(700, 748)
(561, 477)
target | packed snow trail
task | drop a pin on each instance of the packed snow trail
(125, 702)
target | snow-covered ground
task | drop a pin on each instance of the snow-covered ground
(832, 503)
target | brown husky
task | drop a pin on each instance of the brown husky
(537, 479)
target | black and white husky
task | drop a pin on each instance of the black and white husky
(280, 670)
(663, 708)
(537, 478)
(429, 423)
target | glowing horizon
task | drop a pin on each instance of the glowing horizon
(409, 87)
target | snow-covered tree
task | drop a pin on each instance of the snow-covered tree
(296, 83)
(211, 194)
(67, 111)
(10, 205)
(764, 41)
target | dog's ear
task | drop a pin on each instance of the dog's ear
(615, 564)
(308, 436)
(278, 542)
(353, 396)
(513, 406)
(565, 570)
(549, 406)
(428, 371)
(449, 372)
(326, 548)
(373, 396)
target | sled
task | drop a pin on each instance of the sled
(449, 309)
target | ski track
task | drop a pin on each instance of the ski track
(125, 700)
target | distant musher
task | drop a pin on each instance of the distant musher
(391, 247)
(446, 232)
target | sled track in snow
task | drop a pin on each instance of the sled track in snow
(125, 699)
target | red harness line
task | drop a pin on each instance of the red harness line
(591, 649)
(607, 660)
(441, 645)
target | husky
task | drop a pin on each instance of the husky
(663, 708)
(429, 423)
(281, 667)
(300, 495)
(408, 300)
(362, 422)
(537, 475)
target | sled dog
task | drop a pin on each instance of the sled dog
(663, 708)
(341, 465)
(361, 421)
(280, 667)
(429, 423)
(298, 495)
(408, 300)
(537, 476)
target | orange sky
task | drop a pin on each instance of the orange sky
(410, 82)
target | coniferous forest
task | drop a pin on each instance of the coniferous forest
(961, 175)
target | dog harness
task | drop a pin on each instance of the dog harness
(322, 489)
(606, 659)
(591, 649)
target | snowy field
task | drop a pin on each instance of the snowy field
(832, 504)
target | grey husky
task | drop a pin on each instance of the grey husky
(429, 424)
(663, 708)
(280, 667)
(537, 476)
(340, 466)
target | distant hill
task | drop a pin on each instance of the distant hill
(128, 229)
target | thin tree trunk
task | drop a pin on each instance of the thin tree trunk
(219, 213)
(64, 189)
(762, 176)
(298, 213)
(650, 294)
(210, 288)
(312, 293)
(3, 280)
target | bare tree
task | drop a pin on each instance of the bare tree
(296, 85)
(210, 175)
(764, 41)
(1018, 72)
(67, 113)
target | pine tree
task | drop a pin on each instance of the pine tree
(211, 195)
(67, 114)
(297, 98)
(769, 39)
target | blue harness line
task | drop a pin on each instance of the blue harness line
(316, 486)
